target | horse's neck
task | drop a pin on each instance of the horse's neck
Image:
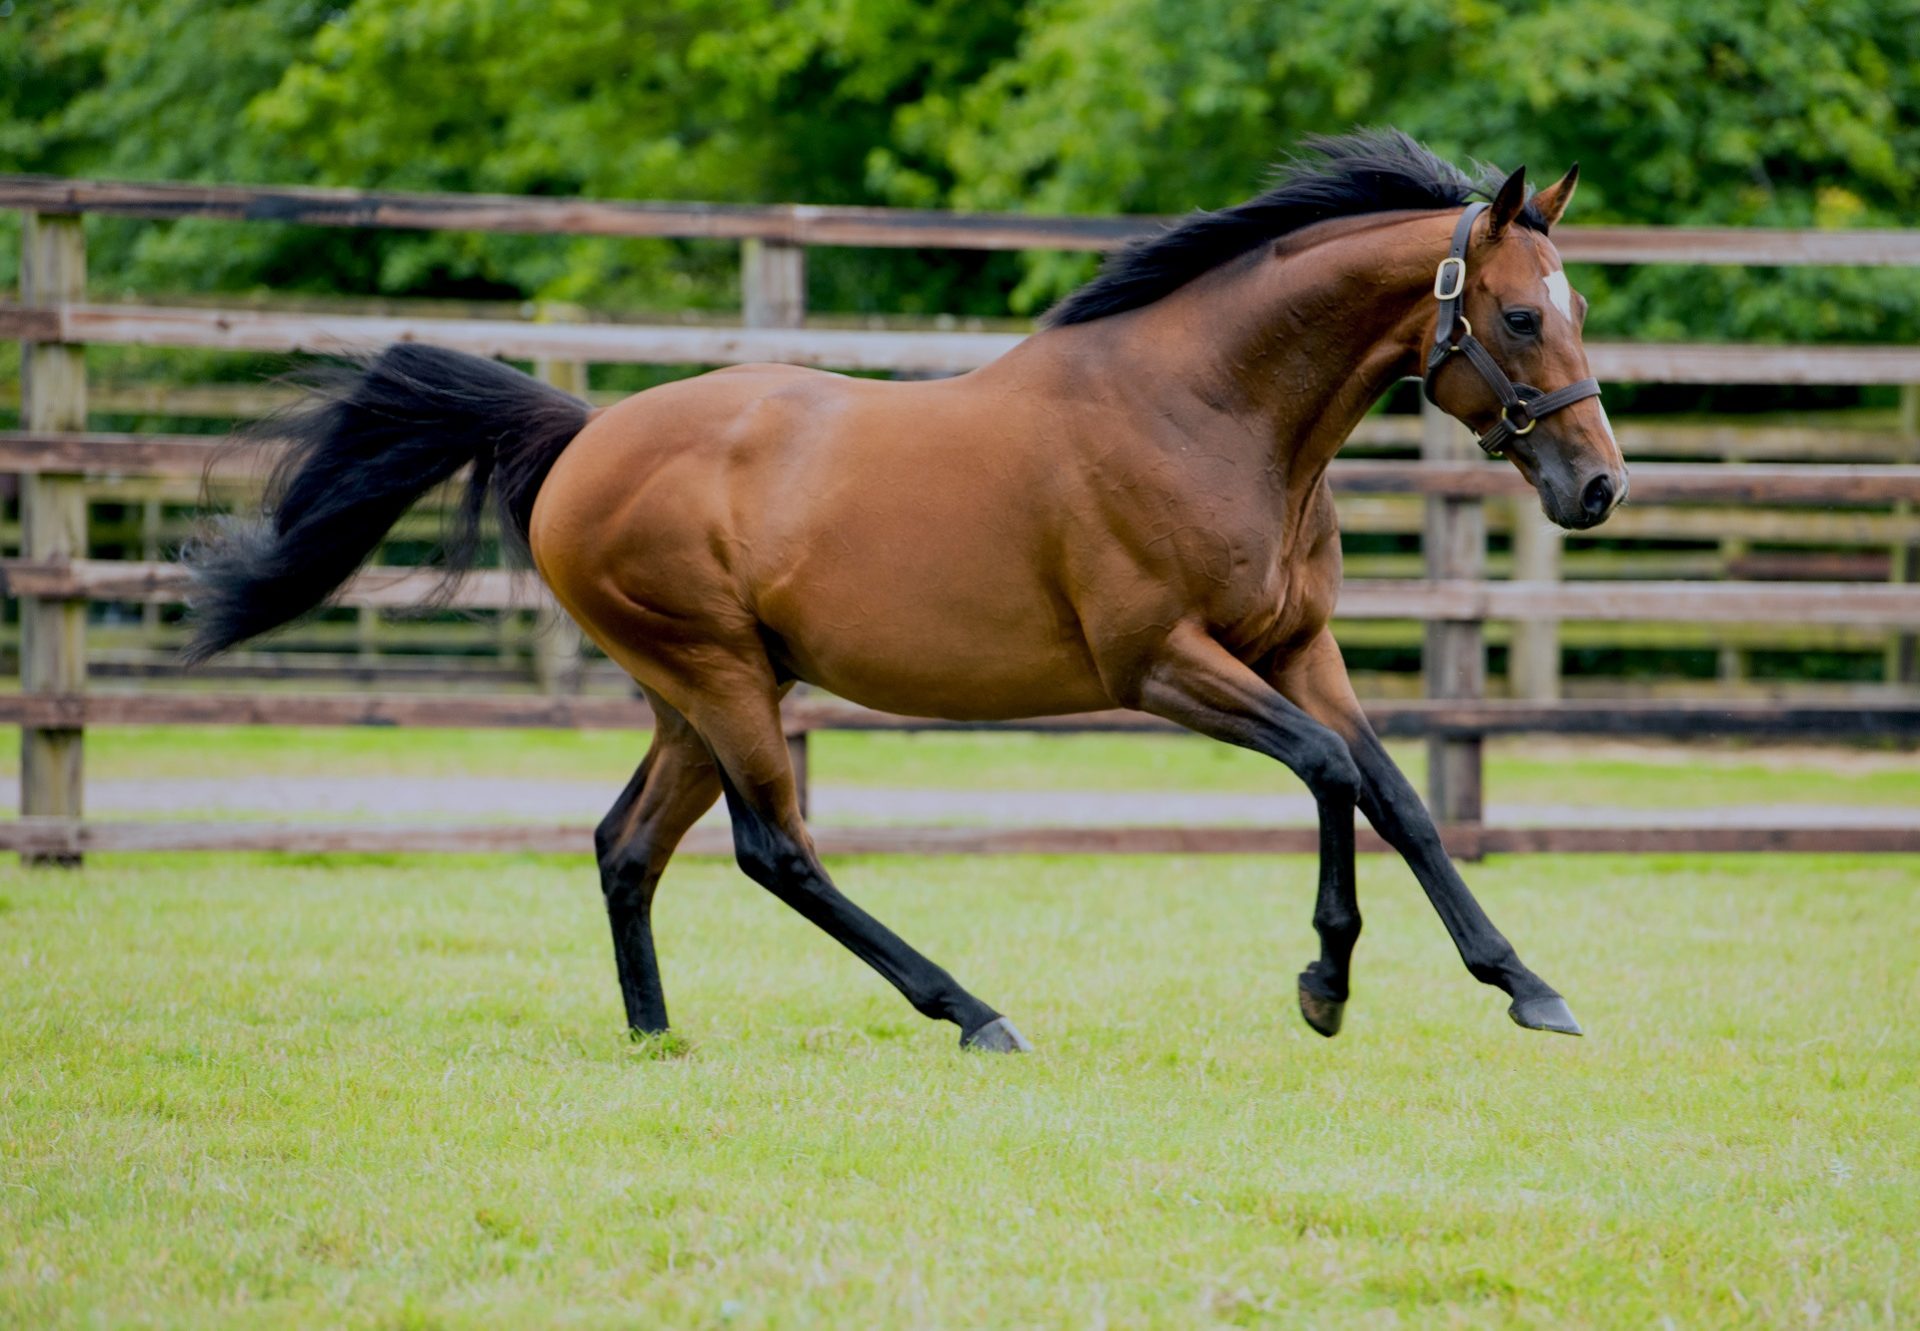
(1303, 344)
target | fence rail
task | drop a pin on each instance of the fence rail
(26, 452)
(812, 225)
(1455, 599)
(56, 460)
(67, 840)
(1891, 720)
(829, 348)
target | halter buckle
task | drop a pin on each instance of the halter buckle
(1518, 430)
(1455, 266)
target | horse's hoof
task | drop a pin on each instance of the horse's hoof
(659, 1044)
(998, 1036)
(1322, 1013)
(1545, 1014)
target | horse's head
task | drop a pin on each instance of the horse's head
(1506, 356)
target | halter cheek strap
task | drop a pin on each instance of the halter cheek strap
(1521, 405)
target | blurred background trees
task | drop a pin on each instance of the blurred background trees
(1739, 112)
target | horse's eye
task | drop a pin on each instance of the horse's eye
(1524, 322)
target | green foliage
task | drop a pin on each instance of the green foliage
(1737, 112)
(1727, 112)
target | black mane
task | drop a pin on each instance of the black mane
(1344, 175)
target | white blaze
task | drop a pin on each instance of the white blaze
(1559, 293)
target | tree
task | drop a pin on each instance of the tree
(1739, 112)
(1729, 112)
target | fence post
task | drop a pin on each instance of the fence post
(800, 760)
(559, 654)
(773, 284)
(1733, 657)
(1903, 651)
(1533, 656)
(152, 515)
(773, 294)
(366, 635)
(53, 520)
(1454, 662)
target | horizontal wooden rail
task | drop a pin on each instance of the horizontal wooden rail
(1374, 598)
(1653, 482)
(630, 344)
(63, 836)
(27, 452)
(1887, 719)
(1751, 363)
(835, 348)
(804, 224)
(189, 456)
(1840, 440)
(1683, 602)
(381, 588)
(163, 455)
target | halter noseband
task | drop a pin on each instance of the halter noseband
(1521, 405)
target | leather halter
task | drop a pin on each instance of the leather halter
(1521, 405)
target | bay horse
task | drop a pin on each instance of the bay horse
(1128, 509)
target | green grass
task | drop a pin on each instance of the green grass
(393, 1093)
(1525, 770)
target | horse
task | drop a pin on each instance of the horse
(1128, 509)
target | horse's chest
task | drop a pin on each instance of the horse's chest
(1292, 606)
(1288, 604)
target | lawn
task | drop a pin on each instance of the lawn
(394, 1093)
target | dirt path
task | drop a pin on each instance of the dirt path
(470, 798)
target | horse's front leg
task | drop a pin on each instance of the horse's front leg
(1316, 679)
(1199, 684)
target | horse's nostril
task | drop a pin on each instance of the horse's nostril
(1597, 498)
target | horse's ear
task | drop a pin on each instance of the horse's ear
(1508, 203)
(1553, 200)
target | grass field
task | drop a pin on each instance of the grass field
(394, 1092)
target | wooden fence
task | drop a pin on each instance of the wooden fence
(57, 459)
(144, 516)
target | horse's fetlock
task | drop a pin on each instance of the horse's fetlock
(626, 891)
(1340, 924)
(1498, 970)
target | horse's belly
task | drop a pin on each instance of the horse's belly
(923, 646)
(980, 689)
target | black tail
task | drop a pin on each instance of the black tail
(363, 446)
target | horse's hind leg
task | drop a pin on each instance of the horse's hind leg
(675, 784)
(742, 728)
